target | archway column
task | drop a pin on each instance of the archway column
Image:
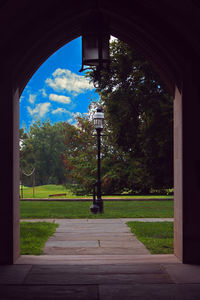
(9, 163)
(187, 168)
(178, 171)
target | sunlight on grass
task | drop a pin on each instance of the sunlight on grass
(44, 191)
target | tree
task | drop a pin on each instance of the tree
(42, 149)
(80, 155)
(80, 158)
(139, 112)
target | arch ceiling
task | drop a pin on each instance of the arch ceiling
(166, 31)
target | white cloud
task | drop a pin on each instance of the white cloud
(43, 92)
(65, 80)
(40, 109)
(60, 98)
(61, 110)
(32, 98)
(71, 121)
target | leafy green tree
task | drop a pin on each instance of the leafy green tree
(139, 112)
(80, 158)
(43, 149)
(80, 155)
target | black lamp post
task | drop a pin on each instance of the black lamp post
(98, 124)
(95, 55)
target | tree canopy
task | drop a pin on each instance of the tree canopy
(42, 148)
(139, 112)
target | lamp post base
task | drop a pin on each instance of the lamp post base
(99, 202)
(94, 208)
(97, 207)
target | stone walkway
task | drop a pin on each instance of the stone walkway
(93, 237)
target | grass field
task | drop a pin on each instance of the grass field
(45, 190)
(112, 209)
(156, 236)
(33, 236)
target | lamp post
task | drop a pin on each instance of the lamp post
(98, 124)
(95, 55)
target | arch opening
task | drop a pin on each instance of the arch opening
(162, 33)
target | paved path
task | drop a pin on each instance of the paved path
(99, 277)
(129, 281)
(94, 237)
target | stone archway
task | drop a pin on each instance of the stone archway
(33, 30)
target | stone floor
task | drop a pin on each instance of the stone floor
(126, 281)
(103, 276)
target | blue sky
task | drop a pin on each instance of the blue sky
(57, 91)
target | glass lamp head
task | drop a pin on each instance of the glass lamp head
(99, 119)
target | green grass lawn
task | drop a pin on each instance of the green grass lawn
(112, 209)
(44, 191)
(156, 236)
(33, 236)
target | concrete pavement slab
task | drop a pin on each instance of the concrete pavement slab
(37, 292)
(98, 274)
(64, 236)
(91, 225)
(124, 220)
(92, 230)
(95, 251)
(71, 221)
(134, 244)
(183, 273)
(71, 244)
(149, 292)
(141, 268)
(56, 278)
(97, 260)
(13, 274)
